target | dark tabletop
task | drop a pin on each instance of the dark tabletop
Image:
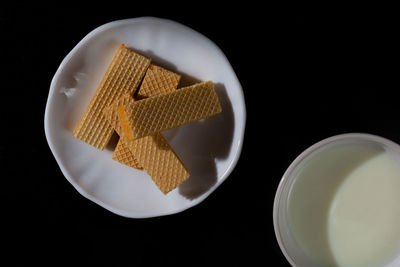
(305, 75)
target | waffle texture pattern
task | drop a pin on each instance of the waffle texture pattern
(170, 110)
(123, 75)
(160, 161)
(156, 81)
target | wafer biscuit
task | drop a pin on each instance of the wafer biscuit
(157, 157)
(123, 75)
(166, 111)
(159, 160)
(123, 155)
(156, 81)
(152, 152)
(110, 112)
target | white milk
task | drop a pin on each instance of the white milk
(344, 207)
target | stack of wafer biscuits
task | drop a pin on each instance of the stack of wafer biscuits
(157, 106)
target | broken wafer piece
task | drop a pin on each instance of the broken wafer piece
(123, 75)
(166, 111)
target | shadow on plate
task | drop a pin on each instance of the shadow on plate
(112, 143)
(205, 142)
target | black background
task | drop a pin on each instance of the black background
(307, 74)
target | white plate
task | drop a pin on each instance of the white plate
(209, 148)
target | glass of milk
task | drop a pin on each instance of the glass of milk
(338, 204)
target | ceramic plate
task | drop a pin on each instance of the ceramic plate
(209, 148)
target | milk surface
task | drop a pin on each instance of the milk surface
(344, 208)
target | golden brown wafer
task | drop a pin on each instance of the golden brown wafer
(166, 111)
(159, 160)
(123, 155)
(152, 152)
(156, 81)
(123, 75)
(110, 112)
